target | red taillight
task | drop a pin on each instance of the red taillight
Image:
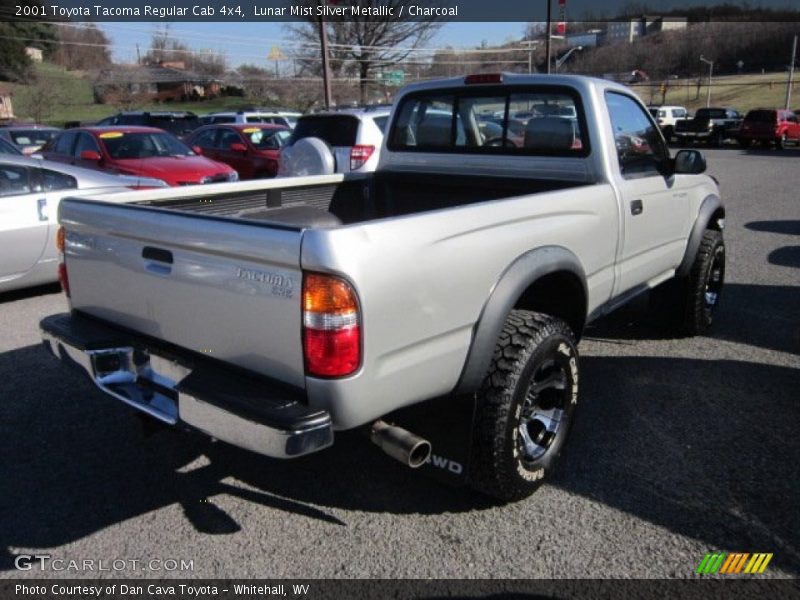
(360, 155)
(63, 278)
(483, 78)
(331, 326)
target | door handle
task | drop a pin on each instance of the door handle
(157, 254)
(41, 206)
(157, 260)
(636, 207)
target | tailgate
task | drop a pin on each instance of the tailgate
(229, 289)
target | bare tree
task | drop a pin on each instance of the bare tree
(81, 47)
(257, 84)
(165, 48)
(365, 44)
(39, 100)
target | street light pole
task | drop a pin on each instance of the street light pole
(530, 44)
(564, 58)
(791, 75)
(710, 64)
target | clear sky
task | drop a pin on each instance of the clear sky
(251, 42)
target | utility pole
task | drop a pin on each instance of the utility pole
(138, 56)
(547, 39)
(710, 64)
(326, 79)
(791, 75)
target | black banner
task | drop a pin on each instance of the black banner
(323, 589)
(352, 10)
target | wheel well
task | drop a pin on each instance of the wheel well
(713, 222)
(559, 294)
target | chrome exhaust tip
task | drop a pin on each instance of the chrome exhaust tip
(411, 450)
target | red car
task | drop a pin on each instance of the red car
(144, 151)
(770, 126)
(252, 149)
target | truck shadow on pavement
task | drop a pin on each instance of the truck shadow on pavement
(706, 449)
(765, 316)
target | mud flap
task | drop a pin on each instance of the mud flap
(447, 423)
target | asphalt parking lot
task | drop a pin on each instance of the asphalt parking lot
(681, 447)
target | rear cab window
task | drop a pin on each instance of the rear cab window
(547, 120)
(336, 130)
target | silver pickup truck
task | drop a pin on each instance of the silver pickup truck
(436, 303)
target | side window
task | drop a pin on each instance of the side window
(224, 119)
(64, 143)
(205, 139)
(226, 138)
(53, 180)
(640, 148)
(14, 180)
(85, 142)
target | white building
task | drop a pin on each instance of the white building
(630, 29)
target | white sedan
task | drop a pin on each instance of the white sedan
(30, 191)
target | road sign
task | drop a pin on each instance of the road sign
(392, 77)
(276, 54)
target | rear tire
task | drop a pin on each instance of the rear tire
(703, 286)
(669, 131)
(745, 142)
(525, 406)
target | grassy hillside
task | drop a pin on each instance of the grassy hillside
(742, 92)
(59, 96)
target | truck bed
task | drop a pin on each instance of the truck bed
(359, 199)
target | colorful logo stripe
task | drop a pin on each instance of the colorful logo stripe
(727, 564)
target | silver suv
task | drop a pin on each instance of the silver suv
(249, 116)
(353, 136)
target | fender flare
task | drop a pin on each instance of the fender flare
(710, 205)
(517, 277)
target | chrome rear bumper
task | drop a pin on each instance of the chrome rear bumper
(181, 389)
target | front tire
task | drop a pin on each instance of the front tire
(704, 284)
(525, 406)
(780, 143)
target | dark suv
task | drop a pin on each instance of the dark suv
(178, 123)
(770, 126)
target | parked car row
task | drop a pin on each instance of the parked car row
(718, 125)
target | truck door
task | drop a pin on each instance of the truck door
(655, 208)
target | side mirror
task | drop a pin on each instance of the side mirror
(237, 147)
(689, 162)
(92, 155)
(197, 150)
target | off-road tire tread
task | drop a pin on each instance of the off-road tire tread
(521, 335)
(694, 322)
